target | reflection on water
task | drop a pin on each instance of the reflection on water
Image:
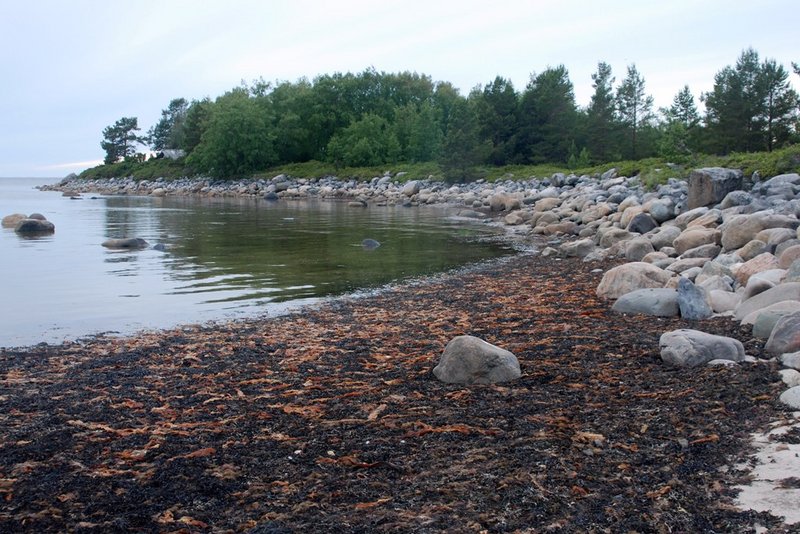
(221, 258)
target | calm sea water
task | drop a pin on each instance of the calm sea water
(225, 258)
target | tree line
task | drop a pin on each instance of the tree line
(373, 118)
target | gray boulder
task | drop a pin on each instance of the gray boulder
(131, 243)
(723, 301)
(793, 272)
(660, 302)
(411, 188)
(34, 226)
(578, 249)
(692, 301)
(785, 336)
(766, 320)
(791, 360)
(739, 229)
(630, 277)
(791, 397)
(636, 249)
(691, 348)
(642, 223)
(664, 236)
(783, 292)
(471, 360)
(710, 185)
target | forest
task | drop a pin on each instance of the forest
(374, 118)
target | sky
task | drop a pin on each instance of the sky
(71, 68)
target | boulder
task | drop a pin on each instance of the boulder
(503, 202)
(513, 219)
(691, 348)
(709, 219)
(789, 256)
(636, 249)
(755, 286)
(790, 359)
(683, 220)
(791, 397)
(723, 301)
(662, 210)
(681, 266)
(11, 221)
(776, 236)
(739, 229)
(578, 249)
(630, 277)
(762, 262)
(410, 188)
(766, 320)
(34, 226)
(785, 336)
(159, 192)
(547, 204)
(783, 292)
(471, 360)
(642, 223)
(370, 244)
(787, 306)
(708, 251)
(612, 236)
(692, 301)
(752, 249)
(793, 272)
(126, 243)
(710, 185)
(790, 377)
(659, 302)
(664, 236)
(694, 237)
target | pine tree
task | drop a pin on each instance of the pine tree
(600, 120)
(634, 107)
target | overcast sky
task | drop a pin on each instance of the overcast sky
(71, 67)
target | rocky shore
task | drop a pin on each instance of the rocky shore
(716, 245)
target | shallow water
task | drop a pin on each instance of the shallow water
(224, 258)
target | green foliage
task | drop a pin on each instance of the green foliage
(195, 124)
(601, 123)
(577, 160)
(634, 110)
(168, 131)
(148, 170)
(497, 108)
(239, 139)
(547, 118)
(752, 106)
(463, 149)
(120, 139)
(368, 141)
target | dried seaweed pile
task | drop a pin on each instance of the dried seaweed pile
(331, 420)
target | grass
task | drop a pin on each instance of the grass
(652, 171)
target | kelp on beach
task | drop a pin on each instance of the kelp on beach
(330, 420)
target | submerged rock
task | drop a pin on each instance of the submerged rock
(127, 243)
(34, 226)
(370, 244)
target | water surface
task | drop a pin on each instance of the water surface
(225, 258)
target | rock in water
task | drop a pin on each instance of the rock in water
(128, 243)
(11, 221)
(33, 226)
(471, 360)
(692, 301)
(370, 244)
(690, 348)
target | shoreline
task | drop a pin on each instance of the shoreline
(345, 390)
